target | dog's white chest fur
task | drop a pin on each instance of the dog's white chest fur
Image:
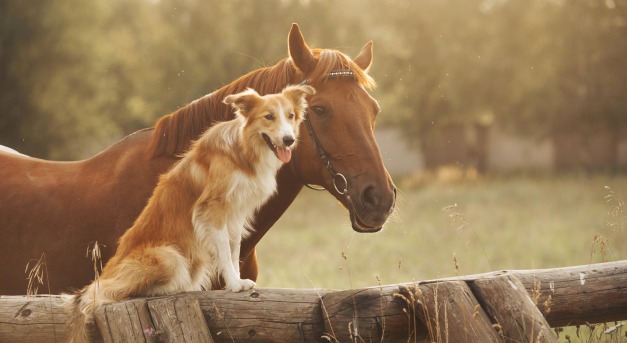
(247, 193)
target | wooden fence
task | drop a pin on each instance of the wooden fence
(519, 305)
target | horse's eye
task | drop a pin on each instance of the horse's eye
(318, 109)
(291, 116)
(269, 116)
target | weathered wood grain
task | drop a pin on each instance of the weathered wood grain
(129, 321)
(371, 314)
(580, 295)
(179, 319)
(594, 293)
(263, 315)
(509, 305)
(573, 295)
(32, 319)
(450, 312)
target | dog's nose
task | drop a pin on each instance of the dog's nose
(288, 140)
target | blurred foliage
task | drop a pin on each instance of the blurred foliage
(77, 75)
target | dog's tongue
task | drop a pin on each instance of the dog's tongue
(285, 155)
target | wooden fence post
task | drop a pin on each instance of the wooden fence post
(508, 304)
(179, 319)
(32, 319)
(450, 312)
(594, 293)
(125, 322)
(263, 315)
(372, 314)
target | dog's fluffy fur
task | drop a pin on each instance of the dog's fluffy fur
(190, 232)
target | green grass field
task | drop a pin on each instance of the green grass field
(489, 224)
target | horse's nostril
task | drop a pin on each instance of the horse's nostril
(288, 140)
(369, 197)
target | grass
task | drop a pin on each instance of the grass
(448, 229)
(459, 228)
(445, 229)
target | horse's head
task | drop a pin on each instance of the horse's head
(338, 149)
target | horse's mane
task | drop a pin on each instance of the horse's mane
(174, 132)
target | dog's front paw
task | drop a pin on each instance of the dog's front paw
(240, 285)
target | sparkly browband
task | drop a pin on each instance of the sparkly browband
(340, 73)
(334, 74)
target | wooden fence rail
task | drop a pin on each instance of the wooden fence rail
(519, 305)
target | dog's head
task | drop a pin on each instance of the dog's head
(273, 118)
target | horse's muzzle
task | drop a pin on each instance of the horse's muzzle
(372, 209)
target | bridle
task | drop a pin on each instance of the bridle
(340, 183)
(335, 176)
(339, 180)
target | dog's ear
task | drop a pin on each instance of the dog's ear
(297, 94)
(243, 102)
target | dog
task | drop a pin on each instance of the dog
(189, 234)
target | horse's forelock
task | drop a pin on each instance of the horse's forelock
(333, 60)
(174, 133)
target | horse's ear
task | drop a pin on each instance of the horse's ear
(299, 51)
(243, 102)
(364, 58)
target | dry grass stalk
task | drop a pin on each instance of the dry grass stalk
(36, 275)
(381, 307)
(94, 253)
(615, 212)
(219, 315)
(411, 299)
(547, 304)
(416, 300)
(499, 330)
(602, 243)
(535, 291)
(328, 336)
(458, 218)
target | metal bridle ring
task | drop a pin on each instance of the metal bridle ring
(345, 188)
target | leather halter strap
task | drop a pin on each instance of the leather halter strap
(335, 176)
(339, 180)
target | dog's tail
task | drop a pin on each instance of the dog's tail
(81, 307)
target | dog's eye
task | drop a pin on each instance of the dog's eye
(269, 116)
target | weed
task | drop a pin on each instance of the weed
(219, 315)
(36, 275)
(407, 296)
(94, 253)
(456, 264)
(458, 218)
(616, 218)
(328, 336)
(600, 245)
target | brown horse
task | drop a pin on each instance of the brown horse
(60, 208)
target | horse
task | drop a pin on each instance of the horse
(52, 212)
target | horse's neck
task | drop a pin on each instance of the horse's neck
(10, 151)
(175, 132)
(129, 158)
